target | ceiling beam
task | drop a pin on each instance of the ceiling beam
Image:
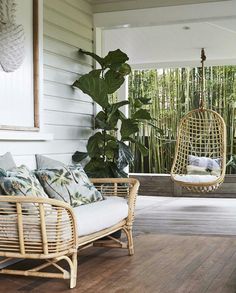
(180, 64)
(166, 15)
(121, 5)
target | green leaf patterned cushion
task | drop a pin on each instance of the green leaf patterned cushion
(69, 184)
(6, 163)
(20, 181)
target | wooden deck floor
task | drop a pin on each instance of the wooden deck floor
(182, 246)
(186, 216)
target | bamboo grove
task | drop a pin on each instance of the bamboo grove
(172, 93)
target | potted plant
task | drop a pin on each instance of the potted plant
(109, 147)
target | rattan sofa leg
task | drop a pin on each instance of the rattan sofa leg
(73, 272)
(129, 234)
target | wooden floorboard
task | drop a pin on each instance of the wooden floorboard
(188, 216)
(181, 246)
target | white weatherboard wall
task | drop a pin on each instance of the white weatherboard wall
(65, 113)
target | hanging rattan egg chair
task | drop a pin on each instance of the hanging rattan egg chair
(201, 134)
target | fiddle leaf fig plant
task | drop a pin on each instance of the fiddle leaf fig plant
(108, 149)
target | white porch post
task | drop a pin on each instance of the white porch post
(122, 95)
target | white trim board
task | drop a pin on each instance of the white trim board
(180, 64)
(24, 136)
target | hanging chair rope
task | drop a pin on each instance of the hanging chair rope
(201, 133)
(202, 94)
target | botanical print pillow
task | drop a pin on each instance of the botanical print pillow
(20, 181)
(198, 165)
(69, 184)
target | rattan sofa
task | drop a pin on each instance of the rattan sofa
(49, 231)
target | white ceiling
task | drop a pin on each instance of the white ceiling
(172, 45)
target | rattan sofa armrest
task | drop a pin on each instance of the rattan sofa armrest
(123, 187)
(36, 226)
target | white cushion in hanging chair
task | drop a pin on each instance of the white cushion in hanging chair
(195, 178)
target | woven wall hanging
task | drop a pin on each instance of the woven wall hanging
(12, 37)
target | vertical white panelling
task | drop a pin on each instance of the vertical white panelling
(64, 112)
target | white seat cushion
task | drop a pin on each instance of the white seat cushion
(195, 178)
(100, 215)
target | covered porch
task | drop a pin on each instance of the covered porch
(183, 242)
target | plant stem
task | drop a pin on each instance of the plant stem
(104, 145)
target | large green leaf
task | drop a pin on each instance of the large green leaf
(94, 56)
(137, 104)
(95, 144)
(115, 57)
(110, 137)
(111, 150)
(114, 80)
(95, 72)
(101, 121)
(145, 101)
(121, 115)
(114, 114)
(128, 127)
(113, 119)
(79, 156)
(125, 156)
(142, 114)
(94, 86)
(106, 122)
(97, 168)
(125, 69)
(116, 106)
